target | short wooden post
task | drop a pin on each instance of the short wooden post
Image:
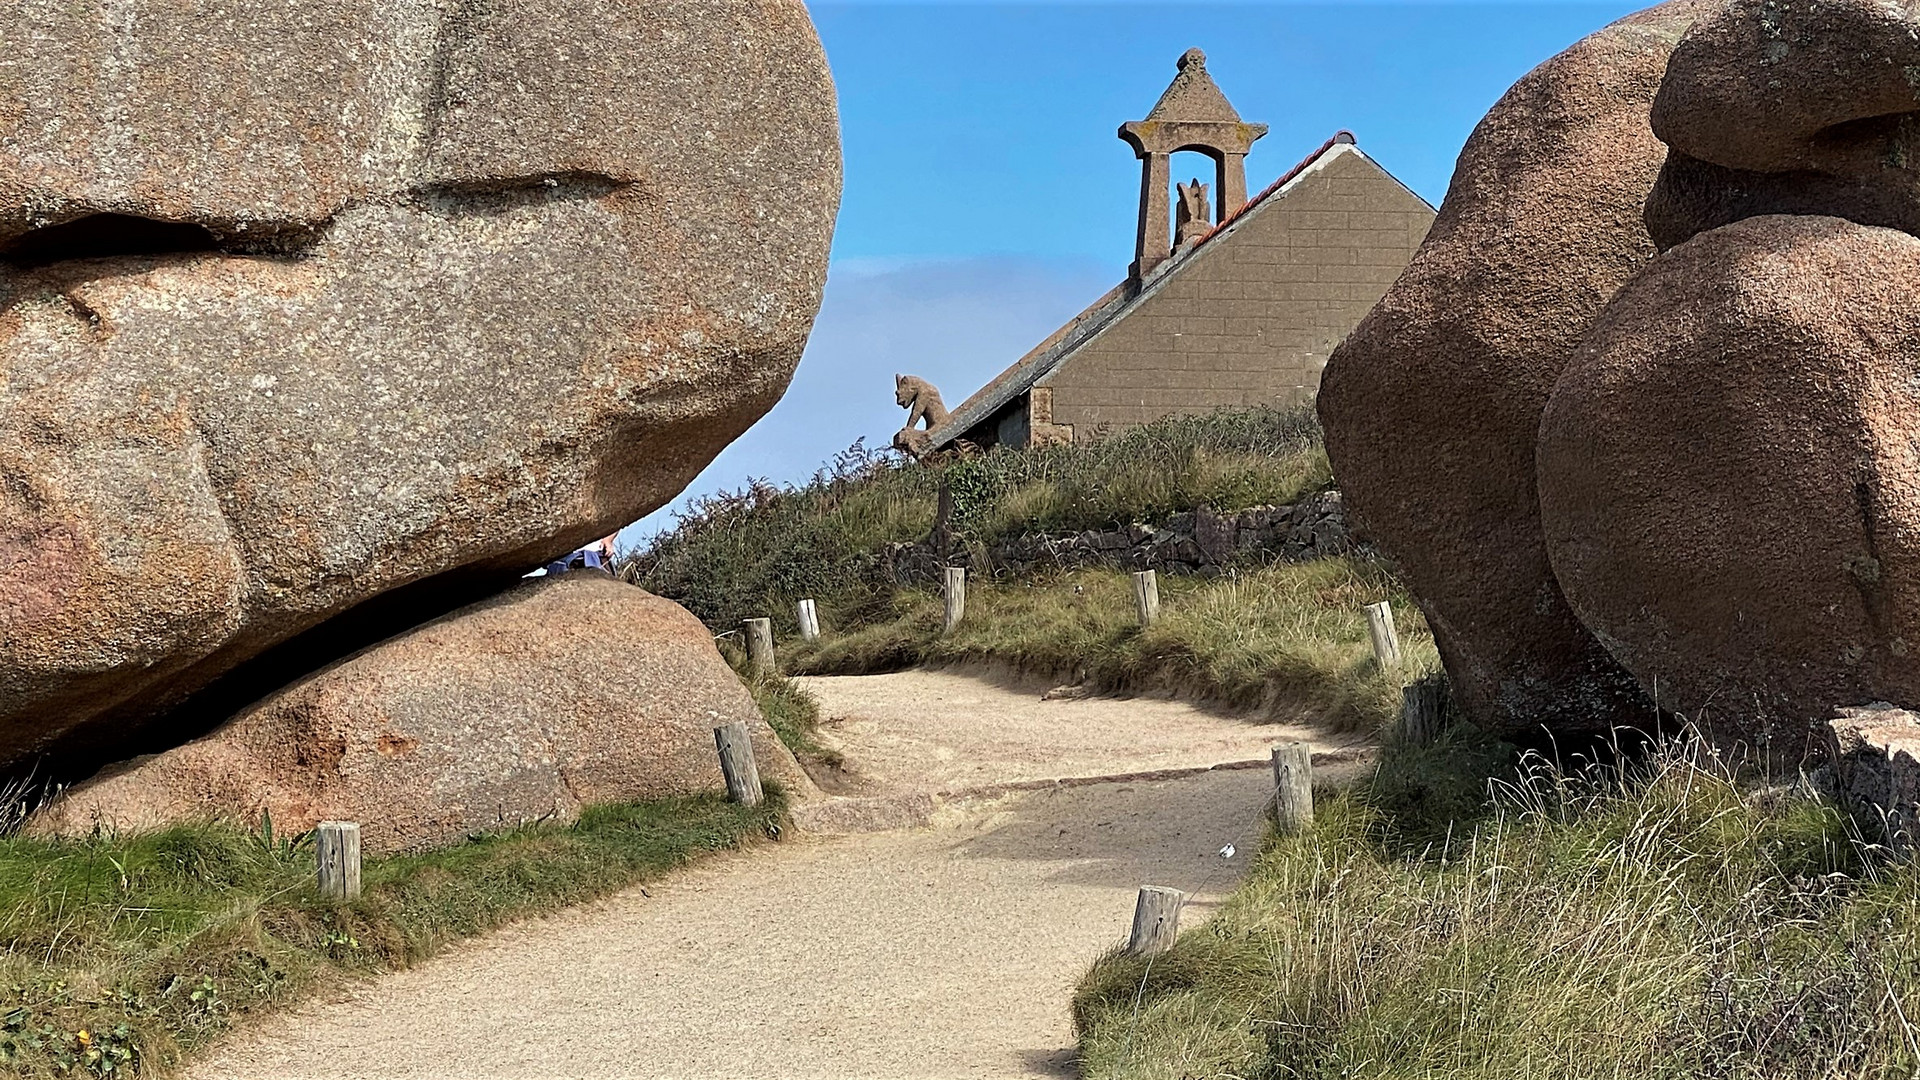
(1386, 643)
(1293, 786)
(1423, 711)
(1156, 920)
(760, 645)
(737, 764)
(336, 848)
(1146, 596)
(956, 579)
(809, 620)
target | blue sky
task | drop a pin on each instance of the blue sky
(988, 198)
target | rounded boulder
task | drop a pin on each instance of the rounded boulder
(1729, 484)
(562, 693)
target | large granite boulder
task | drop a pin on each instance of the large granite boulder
(562, 693)
(1432, 404)
(1728, 481)
(1781, 108)
(356, 308)
(1876, 771)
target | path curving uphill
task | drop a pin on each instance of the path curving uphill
(941, 951)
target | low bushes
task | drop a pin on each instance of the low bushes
(753, 552)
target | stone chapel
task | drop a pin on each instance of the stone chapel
(1233, 308)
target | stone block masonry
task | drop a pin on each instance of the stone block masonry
(1252, 316)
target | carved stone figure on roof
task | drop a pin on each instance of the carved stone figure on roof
(1191, 219)
(922, 402)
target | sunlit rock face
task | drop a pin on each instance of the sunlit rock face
(303, 303)
(1639, 422)
(1729, 479)
(1432, 405)
(502, 714)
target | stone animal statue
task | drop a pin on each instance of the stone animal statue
(1191, 220)
(921, 400)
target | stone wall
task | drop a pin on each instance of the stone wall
(1199, 542)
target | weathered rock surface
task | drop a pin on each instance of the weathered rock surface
(1877, 770)
(301, 304)
(562, 693)
(1776, 107)
(1432, 404)
(1728, 482)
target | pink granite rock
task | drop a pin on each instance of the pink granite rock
(308, 308)
(562, 693)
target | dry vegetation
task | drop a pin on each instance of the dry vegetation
(753, 552)
(1270, 637)
(1661, 920)
(1283, 640)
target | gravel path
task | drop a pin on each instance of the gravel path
(941, 952)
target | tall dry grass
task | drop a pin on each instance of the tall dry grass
(1287, 639)
(1667, 919)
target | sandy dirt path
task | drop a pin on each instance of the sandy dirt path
(945, 951)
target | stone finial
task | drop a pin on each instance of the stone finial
(1191, 220)
(1193, 58)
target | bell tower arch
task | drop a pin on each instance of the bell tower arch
(1192, 115)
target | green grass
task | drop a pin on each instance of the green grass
(1289, 640)
(792, 712)
(1466, 919)
(1286, 639)
(753, 552)
(126, 954)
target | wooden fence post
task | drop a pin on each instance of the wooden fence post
(1156, 920)
(1146, 596)
(336, 849)
(1293, 786)
(809, 620)
(737, 764)
(1423, 711)
(1386, 643)
(956, 580)
(760, 645)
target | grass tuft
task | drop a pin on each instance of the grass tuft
(1665, 919)
(751, 553)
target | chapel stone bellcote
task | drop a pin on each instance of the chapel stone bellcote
(1192, 115)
